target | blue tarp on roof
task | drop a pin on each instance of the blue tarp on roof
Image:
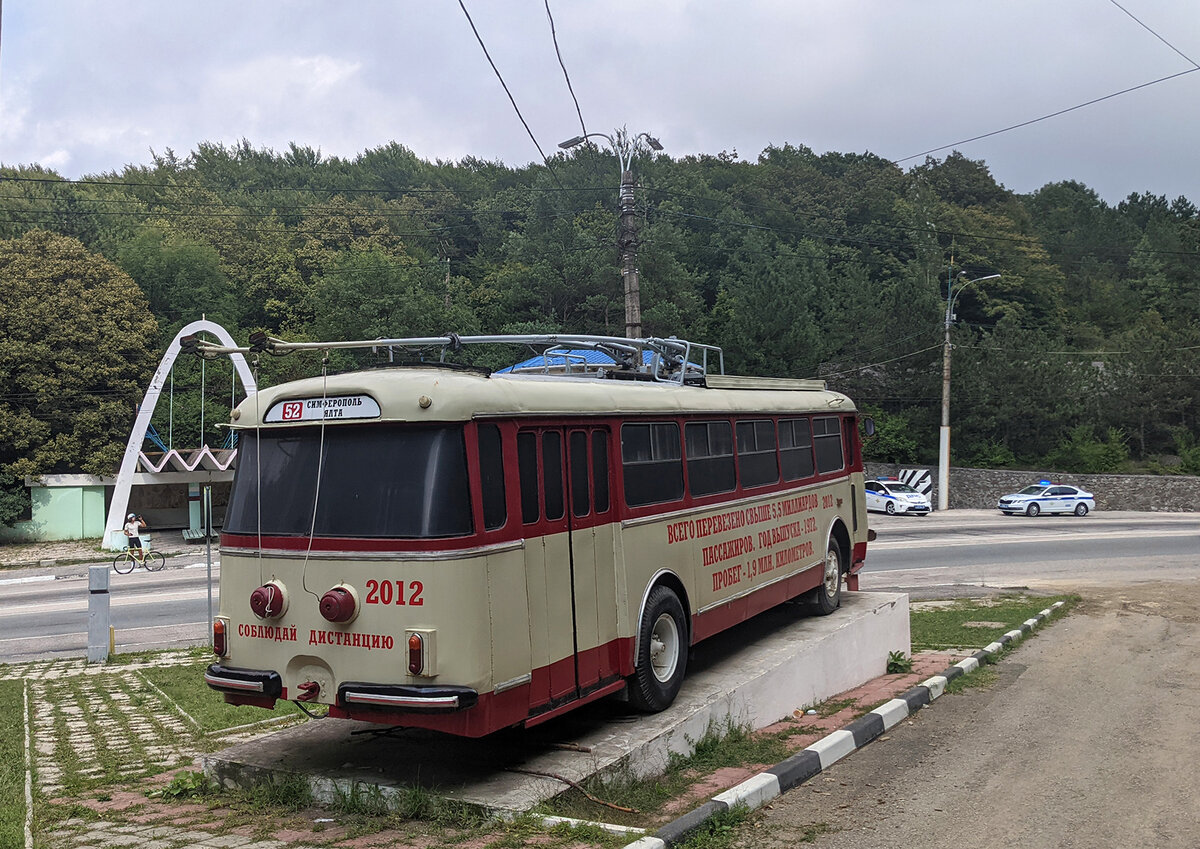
(587, 355)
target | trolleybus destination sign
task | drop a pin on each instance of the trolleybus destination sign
(317, 409)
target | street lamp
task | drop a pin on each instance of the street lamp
(624, 146)
(944, 433)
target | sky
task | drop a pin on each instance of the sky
(90, 86)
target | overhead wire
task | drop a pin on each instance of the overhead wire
(504, 85)
(1195, 67)
(563, 65)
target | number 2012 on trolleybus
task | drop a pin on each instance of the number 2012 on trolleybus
(446, 547)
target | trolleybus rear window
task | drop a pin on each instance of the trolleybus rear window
(398, 482)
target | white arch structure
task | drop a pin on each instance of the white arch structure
(115, 523)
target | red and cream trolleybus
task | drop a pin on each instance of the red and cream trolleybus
(446, 547)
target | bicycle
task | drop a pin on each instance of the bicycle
(127, 561)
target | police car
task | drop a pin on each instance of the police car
(1047, 497)
(888, 495)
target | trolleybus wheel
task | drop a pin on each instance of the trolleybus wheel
(828, 596)
(1032, 509)
(662, 652)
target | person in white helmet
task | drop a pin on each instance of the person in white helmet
(133, 525)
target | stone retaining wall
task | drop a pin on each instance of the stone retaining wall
(979, 489)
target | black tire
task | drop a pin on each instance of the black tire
(1032, 509)
(155, 561)
(828, 596)
(890, 509)
(124, 563)
(662, 652)
(1081, 510)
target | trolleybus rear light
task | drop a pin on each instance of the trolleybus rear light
(220, 648)
(416, 654)
(338, 605)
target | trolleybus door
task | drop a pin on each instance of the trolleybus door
(569, 562)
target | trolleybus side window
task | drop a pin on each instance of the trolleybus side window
(528, 467)
(795, 449)
(652, 462)
(600, 469)
(757, 462)
(581, 503)
(491, 477)
(710, 458)
(827, 437)
(552, 468)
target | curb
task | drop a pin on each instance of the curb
(756, 791)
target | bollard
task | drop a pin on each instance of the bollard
(99, 632)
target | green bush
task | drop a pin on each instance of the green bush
(1083, 453)
(893, 441)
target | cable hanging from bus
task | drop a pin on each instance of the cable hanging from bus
(448, 547)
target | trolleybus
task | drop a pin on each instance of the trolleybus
(452, 548)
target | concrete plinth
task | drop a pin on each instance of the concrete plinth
(754, 674)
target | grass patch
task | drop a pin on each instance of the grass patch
(719, 831)
(981, 677)
(12, 763)
(943, 628)
(184, 685)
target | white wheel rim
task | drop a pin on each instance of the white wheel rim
(833, 572)
(664, 648)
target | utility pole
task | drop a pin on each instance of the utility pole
(624, 146)
(627, 242)
(952, 294)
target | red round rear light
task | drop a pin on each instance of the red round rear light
(337, 605)
(269, 601)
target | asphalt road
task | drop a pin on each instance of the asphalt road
(42, 617)
(927, 555)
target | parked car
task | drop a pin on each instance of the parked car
(888, 495)
(1047, 497)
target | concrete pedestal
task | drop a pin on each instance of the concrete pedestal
(753, 675)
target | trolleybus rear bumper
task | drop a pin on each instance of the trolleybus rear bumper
(407, 697)
(245, 686)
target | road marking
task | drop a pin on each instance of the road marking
(29, 579)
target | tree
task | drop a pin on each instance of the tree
(79, 345)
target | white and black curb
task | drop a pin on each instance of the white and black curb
(757, 791)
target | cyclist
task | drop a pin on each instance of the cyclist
(133, 525)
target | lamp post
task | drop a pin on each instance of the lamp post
(944, 432)
(624, 146)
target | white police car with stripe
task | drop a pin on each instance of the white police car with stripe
(888, 495)
(1047, 497)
